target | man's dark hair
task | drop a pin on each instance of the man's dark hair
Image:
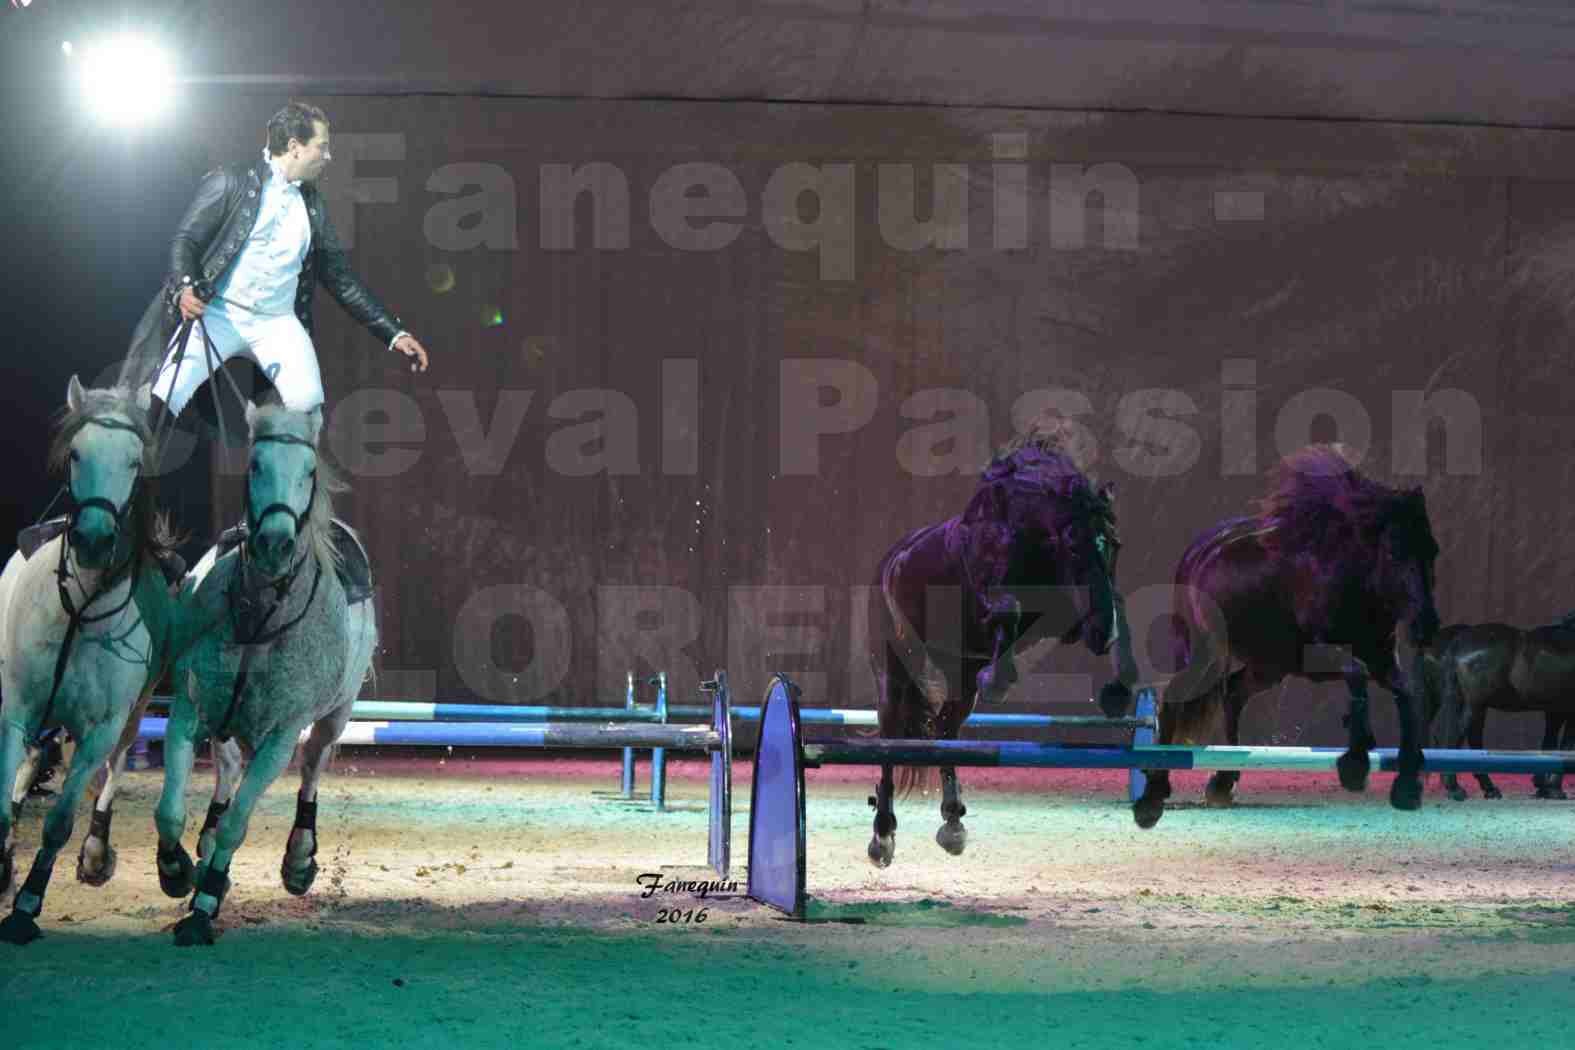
(295, 121)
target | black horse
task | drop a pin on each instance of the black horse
(1314, 585)
(1032, 556)
(1470, 668)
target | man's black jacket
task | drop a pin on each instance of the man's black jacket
(209, 240)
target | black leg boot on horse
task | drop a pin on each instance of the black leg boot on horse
(951, 836)
(197, 927)
(883, 844)
(298, 869)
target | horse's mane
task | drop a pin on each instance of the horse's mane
(276, 419)
(1043, 457)
(151, 530)
(1319, 504)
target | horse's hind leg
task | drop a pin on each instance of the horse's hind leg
(213, 880)
(1150, 806)
(22, 779)
(1194, 686)
(1222, 785)
(21, 925)
(952, 836)
(299, 866)
(1551, 785)
(883, 843)
(1477, 734)
(227, 766)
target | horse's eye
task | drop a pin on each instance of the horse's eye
(76, 457)
(255, 469)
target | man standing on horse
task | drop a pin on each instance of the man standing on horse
(242, 266)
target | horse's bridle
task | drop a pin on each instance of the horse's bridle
(253, 523)
(77, 617)
(280, 587)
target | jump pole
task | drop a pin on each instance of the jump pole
(717, 739)
(777, 810)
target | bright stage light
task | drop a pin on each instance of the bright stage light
(126, 80)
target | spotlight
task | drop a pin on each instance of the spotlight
(126, 79)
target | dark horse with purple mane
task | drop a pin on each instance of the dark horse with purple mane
(1470, 668)
(1032, 556)
(1314, 585)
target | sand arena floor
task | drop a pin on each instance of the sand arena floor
(497, 903)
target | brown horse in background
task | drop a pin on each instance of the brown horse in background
(1314, 586)
(1470, 668)
(1032, 556)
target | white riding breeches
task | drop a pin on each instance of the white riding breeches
(278, 343)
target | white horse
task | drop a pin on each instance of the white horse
(277, 649)
(85, 634)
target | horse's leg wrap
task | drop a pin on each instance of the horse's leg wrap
(885, 818)
(215, 884)
(299, 878)
(215, 811)
(952, 808)
(306, 818)
(35, 887)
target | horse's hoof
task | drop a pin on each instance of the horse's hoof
(1458, 794)
(95, 874)
(19, 928)
(179, 882)
(952, 837)
(881, 850)
(195, 928)
(299, 880)
(1492, 792)
(1353, 767)
(1114, 699)
(1219, 795)
(1551, 793)
(1147, 811)
(1406, 793)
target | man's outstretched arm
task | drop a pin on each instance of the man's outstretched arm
(334, 272)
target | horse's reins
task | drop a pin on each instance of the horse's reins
(215, 365)
(77, 617)
(281, 587)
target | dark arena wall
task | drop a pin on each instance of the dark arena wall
(646, 446)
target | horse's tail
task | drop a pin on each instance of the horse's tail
(908, 706)
(917, 723)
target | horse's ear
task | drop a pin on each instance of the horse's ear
(74, 394)
(251, 414)
(988, 503)
(314, 419)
